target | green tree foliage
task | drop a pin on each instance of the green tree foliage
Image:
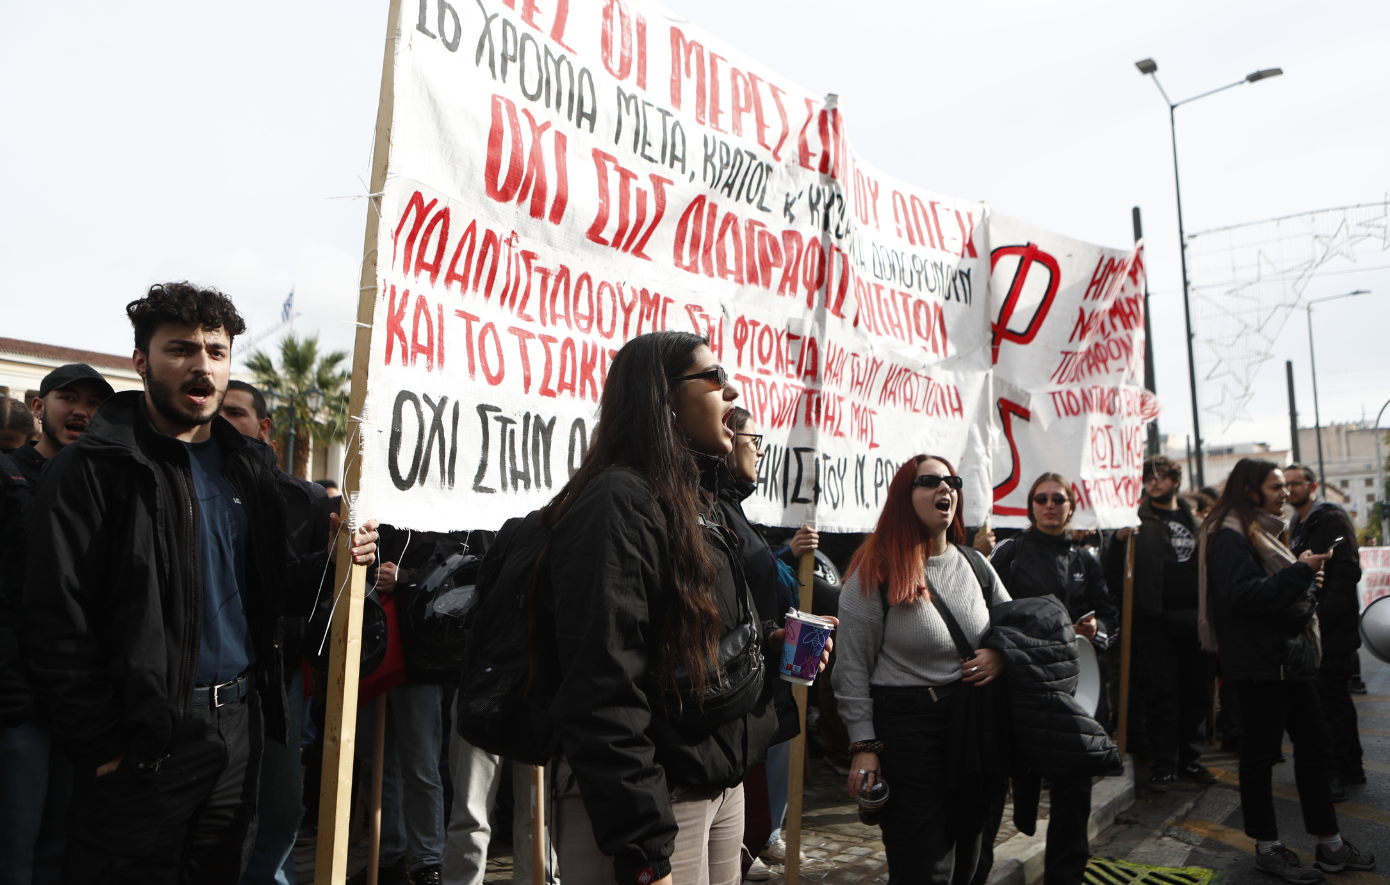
(301, 368)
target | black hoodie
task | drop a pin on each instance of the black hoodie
(1038, 564)
(113, 595)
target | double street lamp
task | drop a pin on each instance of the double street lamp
(1150, 67)
(313, 401)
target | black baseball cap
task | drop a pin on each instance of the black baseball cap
(65, 375)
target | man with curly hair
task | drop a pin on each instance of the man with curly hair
(158, 578)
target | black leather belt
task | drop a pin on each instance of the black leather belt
(936, 693)
(221, 695)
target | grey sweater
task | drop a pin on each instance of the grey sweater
(911, 647)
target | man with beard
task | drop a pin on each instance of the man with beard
(157, 579)
(309, 529)
(1316, 526)
(1174, 673)
(68, 398)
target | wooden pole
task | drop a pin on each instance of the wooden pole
(378, 768)
(538, 852)
(796, 778)
(1126, 643)
(345, 649)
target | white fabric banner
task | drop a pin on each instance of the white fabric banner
(564, 179)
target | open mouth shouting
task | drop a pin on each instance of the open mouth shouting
(943, 506)
(199, 392)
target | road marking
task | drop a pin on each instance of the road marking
(1284, 791)
(1370, 698)
(1378, 767)
(1371, 713)
(1377, 732)
(1241, 842)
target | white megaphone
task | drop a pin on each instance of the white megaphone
(1375, 629)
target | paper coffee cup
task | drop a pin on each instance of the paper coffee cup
(807, 635)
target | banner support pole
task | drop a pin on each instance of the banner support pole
(378, 769)
(345, 647)
(796, 776)
(539, 855)
(1126, 644)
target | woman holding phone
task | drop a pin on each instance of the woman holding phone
(1257, 608)
(903, 685)
(1045, 561)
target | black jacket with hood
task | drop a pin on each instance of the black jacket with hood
(1038, 564)
(1150, 551)
(113, 592)
(1339, 609)
(610, 590)
(1259, 641)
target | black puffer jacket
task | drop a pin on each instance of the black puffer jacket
(1339, 608)
(113, 591)
(16, 698)
(1258, 640)
(1052, 735)
(610, 592)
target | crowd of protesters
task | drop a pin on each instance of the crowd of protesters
(163, 584)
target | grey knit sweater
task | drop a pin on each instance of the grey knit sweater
(912, 647)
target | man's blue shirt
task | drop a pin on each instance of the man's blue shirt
(226, 649)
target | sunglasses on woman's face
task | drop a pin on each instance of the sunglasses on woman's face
(931, 481)
(713, 373)
(1057, 500)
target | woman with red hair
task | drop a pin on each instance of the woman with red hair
(914, 602)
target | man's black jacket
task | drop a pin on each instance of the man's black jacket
(610, 597)
(1339, 610)
(306, 531)
(16, 698)
(1038, 564)
(1150, 550)
(113, 592)
(29, 462)
(1258, 640)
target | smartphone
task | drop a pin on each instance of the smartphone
(1089, 614)
(1333, 545)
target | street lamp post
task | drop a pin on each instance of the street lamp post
(1150, 67)
(313, 399)
(1313, 369)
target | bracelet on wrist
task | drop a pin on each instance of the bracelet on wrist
(875, 747)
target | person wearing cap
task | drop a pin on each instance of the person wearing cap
(157, 580)
(68, 398)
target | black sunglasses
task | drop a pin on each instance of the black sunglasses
(757, 439)
(1057, 499)
(931, 481)
(713, 373)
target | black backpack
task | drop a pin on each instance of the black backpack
(508, 680)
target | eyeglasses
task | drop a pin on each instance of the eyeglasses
(713, 373)
(1057, 500)
(931, 481)
(757, 439)
(1289, 485)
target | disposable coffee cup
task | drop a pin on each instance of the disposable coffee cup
(807, 635)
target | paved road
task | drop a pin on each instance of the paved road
(1197, 826)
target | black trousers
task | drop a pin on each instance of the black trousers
(1267, 710)
(1177, 679)
(192, 821)
(920, 810)
(1334, 681)
(1068, 841)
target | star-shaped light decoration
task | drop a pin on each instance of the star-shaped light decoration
(1377, 228)
(1231, 407)
(1235, 358)
(1263, 266)
(1340, 243)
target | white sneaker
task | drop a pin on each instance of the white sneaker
(758, 872)
(776, 852)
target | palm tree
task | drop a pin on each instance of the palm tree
(290, 388)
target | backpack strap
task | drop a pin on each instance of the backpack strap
(981, 570)
(980, 567)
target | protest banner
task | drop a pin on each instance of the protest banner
(1375, 575)
(1067, 348)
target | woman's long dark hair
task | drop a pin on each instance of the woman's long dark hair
(637, 429)
(1249, 474)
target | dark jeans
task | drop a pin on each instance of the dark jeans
(1177, 680)
(35, 785)
(914, 732)
(1334, 689)
(1068, 842)
(1267, 709)
(193, 821)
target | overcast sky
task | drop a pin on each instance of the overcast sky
(230, 144)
